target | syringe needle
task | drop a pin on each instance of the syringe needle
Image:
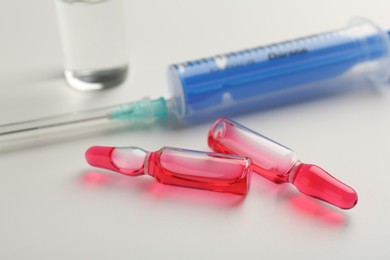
(19, 126)
(143, 111)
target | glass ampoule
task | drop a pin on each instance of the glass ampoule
(180, 167)
(279, 163)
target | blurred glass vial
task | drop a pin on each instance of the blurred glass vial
(94, 43)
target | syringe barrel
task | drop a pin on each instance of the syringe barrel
(281, 73)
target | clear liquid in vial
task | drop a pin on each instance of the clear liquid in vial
(94, 43)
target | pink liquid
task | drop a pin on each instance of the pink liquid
(209, 171)
(269, 159)
(271, 174)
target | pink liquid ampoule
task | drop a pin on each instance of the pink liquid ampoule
(278, 163)
(174, 166)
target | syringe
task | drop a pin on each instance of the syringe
(250, 79)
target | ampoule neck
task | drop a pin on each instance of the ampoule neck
(130, 160)
(290, 176)
(152, 161)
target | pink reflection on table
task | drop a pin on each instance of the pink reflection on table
(158, 192)
(96, 178)
(315, 209)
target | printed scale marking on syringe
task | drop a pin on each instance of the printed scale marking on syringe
(267, 53)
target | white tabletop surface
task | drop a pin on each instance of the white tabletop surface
(54, 206)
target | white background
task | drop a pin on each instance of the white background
(54, 206)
